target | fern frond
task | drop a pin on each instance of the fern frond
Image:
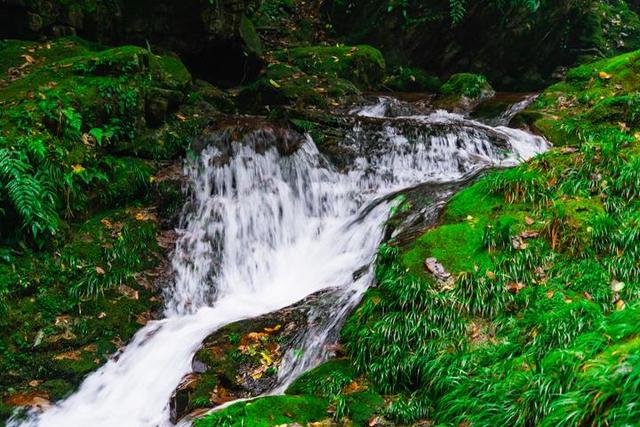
(457, 10)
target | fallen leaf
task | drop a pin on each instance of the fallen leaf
(181, 117)
(28, 58)
(62, 320)
(128, 292)
(529, 234)
(100, 271)
(550, 294)
(567, 150)
(69, 355)
(274, 329)
(515, 287)
(604, 75)
(274, 83)
(34, 383)
(587, 295)
(33, 399)
(620, 305)
(528, 220)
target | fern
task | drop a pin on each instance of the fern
(457, 10)
(30, 195)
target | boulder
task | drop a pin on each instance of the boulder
(242, 359)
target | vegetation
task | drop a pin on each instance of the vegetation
(537, 325)
(79, 200)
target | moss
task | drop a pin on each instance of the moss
(307, 382)
(408, 79)
(467, 85)
(170, 72)
(283, 84)
(363, 65)
(53, 336)
(268, 411)
(251, 39)
(363, 406)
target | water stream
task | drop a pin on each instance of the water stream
(264, 230)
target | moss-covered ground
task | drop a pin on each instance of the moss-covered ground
(85, 132)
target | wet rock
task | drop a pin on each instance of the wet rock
(257, 132)
(242, 359)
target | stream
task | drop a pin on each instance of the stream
(263, 230)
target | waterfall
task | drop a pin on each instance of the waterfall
(263, 230)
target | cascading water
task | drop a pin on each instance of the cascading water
(264, 230)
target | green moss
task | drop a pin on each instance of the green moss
(469, 85)
(307, 382)
(170, 72)
(408, 79)
(251, 39)
(283, 84)
(268, 411)
(363, 65)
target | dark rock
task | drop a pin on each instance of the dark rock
(241, 360)
(259, 133)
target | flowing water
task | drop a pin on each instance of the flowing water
(264, 230)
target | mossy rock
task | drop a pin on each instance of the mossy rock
(284, 84)
(362, 65)
(594, 96)
(250, 37)
(465, 91)
(409, 79)
(242, 359)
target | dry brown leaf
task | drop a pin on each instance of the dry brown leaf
(274, 329)
(68, 355)
(515, 287)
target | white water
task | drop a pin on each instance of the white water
(262, 232)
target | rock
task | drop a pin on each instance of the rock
(437, 269)
(465, 91)
(259, 133)
(363, 65)
(241, 360)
